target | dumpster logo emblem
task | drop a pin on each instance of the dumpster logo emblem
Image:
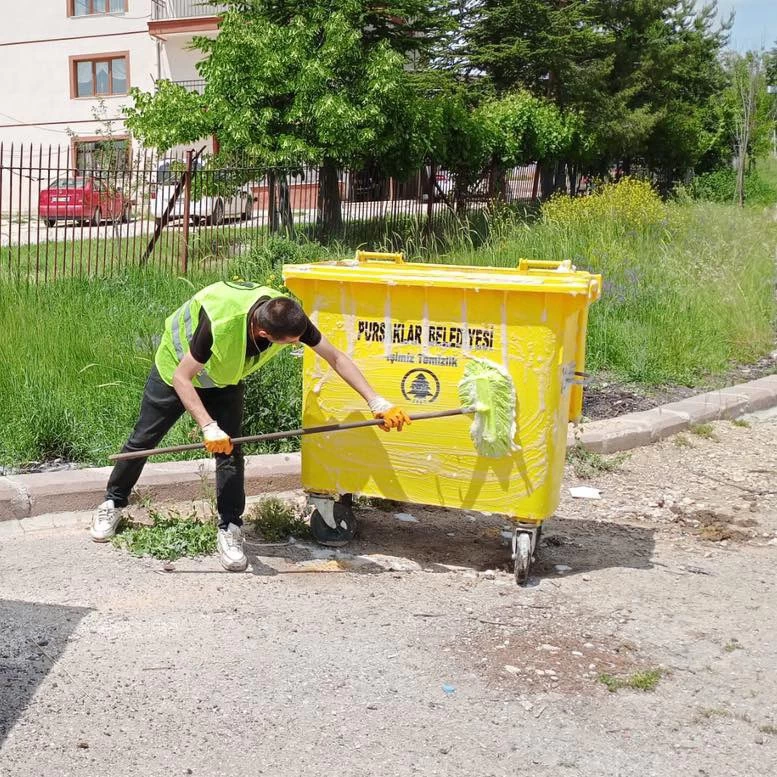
(420, 387)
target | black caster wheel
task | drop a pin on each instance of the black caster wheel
(344, 529)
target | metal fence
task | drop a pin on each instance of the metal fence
(71, 211)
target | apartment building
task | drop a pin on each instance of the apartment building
(60, 59)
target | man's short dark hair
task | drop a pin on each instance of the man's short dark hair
(281, 317)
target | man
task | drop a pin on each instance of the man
(210, 345)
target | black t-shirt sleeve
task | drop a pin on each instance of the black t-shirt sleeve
(311, 336)
(202, 339)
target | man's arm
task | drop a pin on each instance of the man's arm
(216, 440)
(182, 383)
(393, 416)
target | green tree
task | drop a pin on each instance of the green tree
(771, 67)
(748, 113)
(521, 128)
(477, 139)
(297, 83)
(641, 73)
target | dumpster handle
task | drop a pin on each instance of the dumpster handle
(524, 265)
(366, 256)
(291, 433)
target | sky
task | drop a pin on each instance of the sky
(755, 24)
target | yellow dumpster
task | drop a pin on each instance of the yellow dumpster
(411, 328)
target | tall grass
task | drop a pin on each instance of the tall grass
(689, 289)
(75, 358)
(686, 293)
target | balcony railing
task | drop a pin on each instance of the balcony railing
(186, 9)
(193, 85)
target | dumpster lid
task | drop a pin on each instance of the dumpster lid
(392, 270)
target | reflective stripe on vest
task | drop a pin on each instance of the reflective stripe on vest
(203, 377)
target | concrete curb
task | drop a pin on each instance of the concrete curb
(25, 496)
(636, 429)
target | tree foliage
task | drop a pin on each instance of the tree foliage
(303, 83)
(475, 85)
(642, 74)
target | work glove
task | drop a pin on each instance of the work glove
(216, 440)
(393, 417)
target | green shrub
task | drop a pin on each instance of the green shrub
(273, 402)
(720, 186)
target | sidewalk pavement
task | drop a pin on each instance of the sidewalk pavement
(25, 496)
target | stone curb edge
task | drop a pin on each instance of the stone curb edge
(24, 496)
(636, 429)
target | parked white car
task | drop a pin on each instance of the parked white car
(204, 210)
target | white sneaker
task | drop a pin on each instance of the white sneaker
(230, 544)
(104, 521)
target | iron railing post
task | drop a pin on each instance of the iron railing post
(186, 212)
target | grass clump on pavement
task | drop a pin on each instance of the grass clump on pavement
(587, 465)
(646, 680)
(706, 431)
(681, 441)
(276, 520)
(169, 537)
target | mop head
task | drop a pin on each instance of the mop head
(488, 388)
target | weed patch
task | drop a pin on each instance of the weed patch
(276, 520)
(587, 465)
(681, 441)
(706, 431)
(707, 713)
(168, 537)
(646, 680)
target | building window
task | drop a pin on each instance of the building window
(100, 75)
(97, 7)
(94, 155)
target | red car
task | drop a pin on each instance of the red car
(83, 199)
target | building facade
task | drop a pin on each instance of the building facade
(66, 66)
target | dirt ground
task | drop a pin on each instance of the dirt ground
(412, 651)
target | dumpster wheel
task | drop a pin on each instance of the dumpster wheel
(524, 543)
(332, 523)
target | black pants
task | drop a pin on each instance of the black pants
(160, 408)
